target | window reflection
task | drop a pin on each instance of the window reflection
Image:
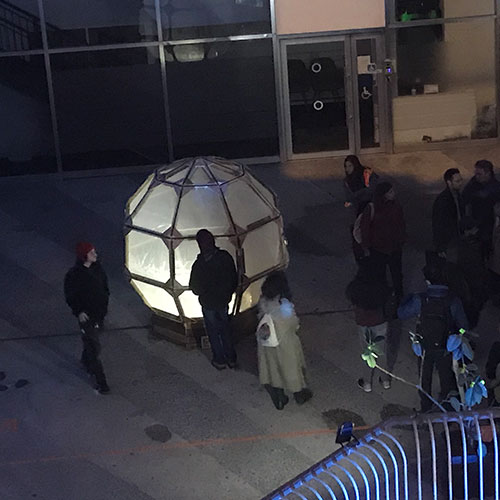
(413, 10)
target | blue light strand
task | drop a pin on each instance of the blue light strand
(375, 474)
(340, 483)
(349, 475)
(394, 463)
(405, 461)
(495, 446)
(384, 466)
(464, 450)
(363, 476)
(434, 460)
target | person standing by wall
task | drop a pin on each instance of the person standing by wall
(87, 294)
(214, 279)
(282, 367)
(447, 211)
(383, 234)
(359, 184)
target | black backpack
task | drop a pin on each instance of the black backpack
(435, 322)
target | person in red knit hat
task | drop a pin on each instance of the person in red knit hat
(87, 294)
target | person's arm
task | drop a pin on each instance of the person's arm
(365, 226)
(195, 280)
(410, 307)
(458, 314)
(72, 296)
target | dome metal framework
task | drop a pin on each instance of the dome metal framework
(164, 215)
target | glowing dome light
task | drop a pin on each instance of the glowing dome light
(164, 215)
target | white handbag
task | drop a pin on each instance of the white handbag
(272, 340)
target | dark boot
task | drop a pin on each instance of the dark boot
(303, 396)
(278, 396)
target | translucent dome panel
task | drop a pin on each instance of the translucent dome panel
(187, 252)
(265, 192)
(262, 249)
(202, 207)
(157, 212)
(147, 256)
(245, 205)
(190, 304)
(199, 175)
(251, 295)
(138, 195)
(155, 297)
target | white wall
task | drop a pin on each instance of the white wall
(311, 16)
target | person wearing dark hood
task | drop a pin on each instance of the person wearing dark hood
(214, 279)
(87, 294)
(480, 195)
(383, 233)
(447, 211)
(359, 184)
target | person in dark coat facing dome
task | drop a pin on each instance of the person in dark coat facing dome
(87, 294)
(214, 279)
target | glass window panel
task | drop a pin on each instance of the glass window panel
(136, 198)
(26, 140)
(190, 19)
(264, 191)
(156, 297)
(224, 104)
(245, 205)
(20, 26)
(109, 108)
(262, 249)
(413, 10)
(199, 176)
(187, 252)
(73, 23)
(147, 256)
(202, 207)
(446, 83)
(158, 210)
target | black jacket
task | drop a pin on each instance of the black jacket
(445, 219)
(215, 280)
(86, 290)
(479, 199)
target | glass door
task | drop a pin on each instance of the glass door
(332, 94)
(317, 118)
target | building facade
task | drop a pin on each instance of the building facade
(107, 84)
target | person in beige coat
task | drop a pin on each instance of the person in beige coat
(281, 368)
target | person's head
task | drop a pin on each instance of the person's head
(384, 192)
(496, 209)
(86, 253)
(433, 274)
(483, 171)
(453, 179)
(276, 285)
(206, 241)
(352, 164)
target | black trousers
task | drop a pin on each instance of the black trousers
(442, 361)
(91, 350)
(394, 261)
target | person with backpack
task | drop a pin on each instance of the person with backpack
(493, 374)
(439, 314)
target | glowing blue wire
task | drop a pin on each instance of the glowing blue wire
(448, 451)
(384, 466)
(375, 474)
(332, 494)
(405, 462)
(363, 476)
(480, 458)
(394, 462)
(340, 483)
(495, 445)
(434, 460)
(464, 449)
(349, 475)
(419, 460)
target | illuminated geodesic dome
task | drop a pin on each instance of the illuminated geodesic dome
(164, 215)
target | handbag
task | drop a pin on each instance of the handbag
(271, 340)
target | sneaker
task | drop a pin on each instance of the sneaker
(103, 388)
(303, 396)
(218, 366)
(282, 403)
(386, 383)
(366, 386)
(233, 365)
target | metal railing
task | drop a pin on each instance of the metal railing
(436, 456)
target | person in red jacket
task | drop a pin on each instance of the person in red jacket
(383, 233)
